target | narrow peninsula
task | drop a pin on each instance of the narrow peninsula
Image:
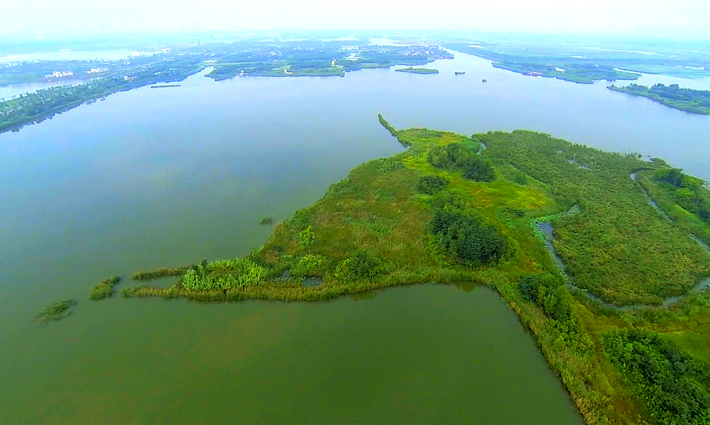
(688, 100)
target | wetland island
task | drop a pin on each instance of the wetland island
(612, 286)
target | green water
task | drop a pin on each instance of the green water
(152, 178)
(418, 355)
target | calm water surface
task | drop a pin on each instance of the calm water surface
(151, 177)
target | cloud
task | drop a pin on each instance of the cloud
(629, 17)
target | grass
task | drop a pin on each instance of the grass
(160, 273)
(104, 289)
(55, 311)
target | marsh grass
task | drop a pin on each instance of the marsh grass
(55, 311)
(160, 273)
(105, 288)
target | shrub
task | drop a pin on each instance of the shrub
(391, 164)
(309, 265)
(305, 237)
(105, 288)
(549, 293)
(457, 157)
(224, 274)
(361, 266)
(467, 238)
(429, 185)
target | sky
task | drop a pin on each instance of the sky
(687, 19)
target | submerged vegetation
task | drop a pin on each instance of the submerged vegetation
(688, 100)
(105, 288)
(55, 311)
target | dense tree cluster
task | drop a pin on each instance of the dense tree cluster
(430, 185)
(456, 156)
(549, 293)
(469, 239)
(361, 266)
(673, 386)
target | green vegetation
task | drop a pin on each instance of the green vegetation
(266, 221)
(420, 217)
(387, 125)
(456, 156)
(641, 257)
(467, 237)
(418, 70)
(459, 72)
(431, 185)
(683, 198)
(360, 267)
(55, 311)
(675, 388)
(159, 273)
(223, 275)
(688, 100)
(549, 293)
(105, 288)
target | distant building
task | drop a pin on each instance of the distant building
(59, 74)
(96, 70)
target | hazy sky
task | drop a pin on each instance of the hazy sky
(664, 18)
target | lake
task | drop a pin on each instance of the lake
(166, 177)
